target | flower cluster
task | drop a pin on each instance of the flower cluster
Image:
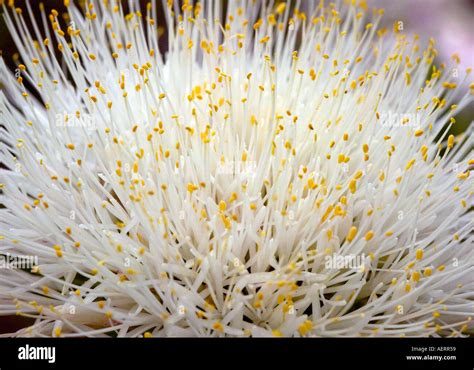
(194, 179)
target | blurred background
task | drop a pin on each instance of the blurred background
(449, 22)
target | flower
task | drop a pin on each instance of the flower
(273, 172)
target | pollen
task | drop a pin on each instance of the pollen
(369, 235)
(450, 141)
(419, 254)
(352, 233)
(218, 326)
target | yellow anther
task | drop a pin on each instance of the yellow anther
(222, 206)
(218, 326)
(358, 175)
(450, 141)
(305, 327)
(353, 186)
(191, 187)
(416, 276)
(369, 235)
(463, 175)
(449, 85)
(418, 133)
(280, 8)
(410, 164)
(352, 233)
(329, 234)
(419, 254)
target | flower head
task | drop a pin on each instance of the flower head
(264, 171)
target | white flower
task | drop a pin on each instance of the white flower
(199, 191)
